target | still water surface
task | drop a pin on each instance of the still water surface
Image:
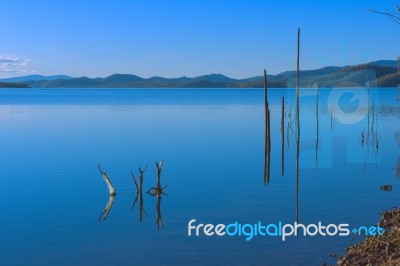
(212, 144)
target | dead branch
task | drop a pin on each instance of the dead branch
(139, 194)
(110, 186)
(142, 171)
(159, 167)
(395, 16)
(158, 190)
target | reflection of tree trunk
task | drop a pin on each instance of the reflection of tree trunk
(104, 214)
(397, 136)
(369, 111)
(267, 157)
(139, 197)
(287, 133)
(141, 210)
(159, 220)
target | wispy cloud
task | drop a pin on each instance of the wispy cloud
(10, 64)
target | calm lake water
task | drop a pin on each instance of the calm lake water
(212, 144)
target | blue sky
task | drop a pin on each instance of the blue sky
(190, 38)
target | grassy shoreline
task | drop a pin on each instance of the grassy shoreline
(377, 250)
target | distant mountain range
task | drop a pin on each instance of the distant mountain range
(382, 73)
(35, 78)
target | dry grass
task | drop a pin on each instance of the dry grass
(377, 250)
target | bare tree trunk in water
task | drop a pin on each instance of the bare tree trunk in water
(110, 186)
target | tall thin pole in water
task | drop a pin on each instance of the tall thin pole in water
(283, 135)
(316, 143)
(265, 93)
(267, 133)
(297, 123)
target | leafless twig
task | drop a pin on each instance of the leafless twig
(395, 16)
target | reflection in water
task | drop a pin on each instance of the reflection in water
(104, 214)
(397, 136)
(370, 141)
(156, 191)
(139, 193)
(333, 118)
(369, 137)
(159, 220)
(139, 197)
(297, 157)
(362, 138)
